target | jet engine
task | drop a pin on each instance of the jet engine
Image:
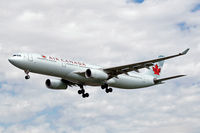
(56, 84)
(96, 74)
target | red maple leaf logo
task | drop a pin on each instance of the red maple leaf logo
(156, 70)
(43, 56)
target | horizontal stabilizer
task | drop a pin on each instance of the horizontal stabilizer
(158, 81)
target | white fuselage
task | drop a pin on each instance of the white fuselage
(68, 70)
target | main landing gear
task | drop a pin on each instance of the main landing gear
(84, 95)
(27, 76)
(107, 90)
(82, 91)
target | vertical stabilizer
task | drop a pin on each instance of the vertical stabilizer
(155, 70)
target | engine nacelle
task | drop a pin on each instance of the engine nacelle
(96, 74)
(56, 84)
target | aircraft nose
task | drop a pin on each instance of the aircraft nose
(11, 60)
(17, 61)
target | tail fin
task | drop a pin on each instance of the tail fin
(155, 70)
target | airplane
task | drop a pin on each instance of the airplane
(74, 73)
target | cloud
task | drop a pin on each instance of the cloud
(196, 8)
(184, 27)
(135, 1)
(106, 33)
(30, 16)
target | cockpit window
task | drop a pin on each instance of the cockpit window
(17, 55)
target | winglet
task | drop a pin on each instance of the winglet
(185, 52)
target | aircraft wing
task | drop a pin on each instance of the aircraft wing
(114, 71)
(68, 82)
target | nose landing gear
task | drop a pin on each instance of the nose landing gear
(27, 76)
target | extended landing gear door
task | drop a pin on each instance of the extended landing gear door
(30, 57)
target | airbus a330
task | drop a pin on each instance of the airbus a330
(73, 73)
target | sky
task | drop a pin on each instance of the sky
(106, 33)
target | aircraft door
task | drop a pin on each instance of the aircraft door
(30, 57)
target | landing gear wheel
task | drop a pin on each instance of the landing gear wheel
(80, 92)
(110, 89)
(107, 90)
(27, 77)
(85, 95)
(104, 86)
